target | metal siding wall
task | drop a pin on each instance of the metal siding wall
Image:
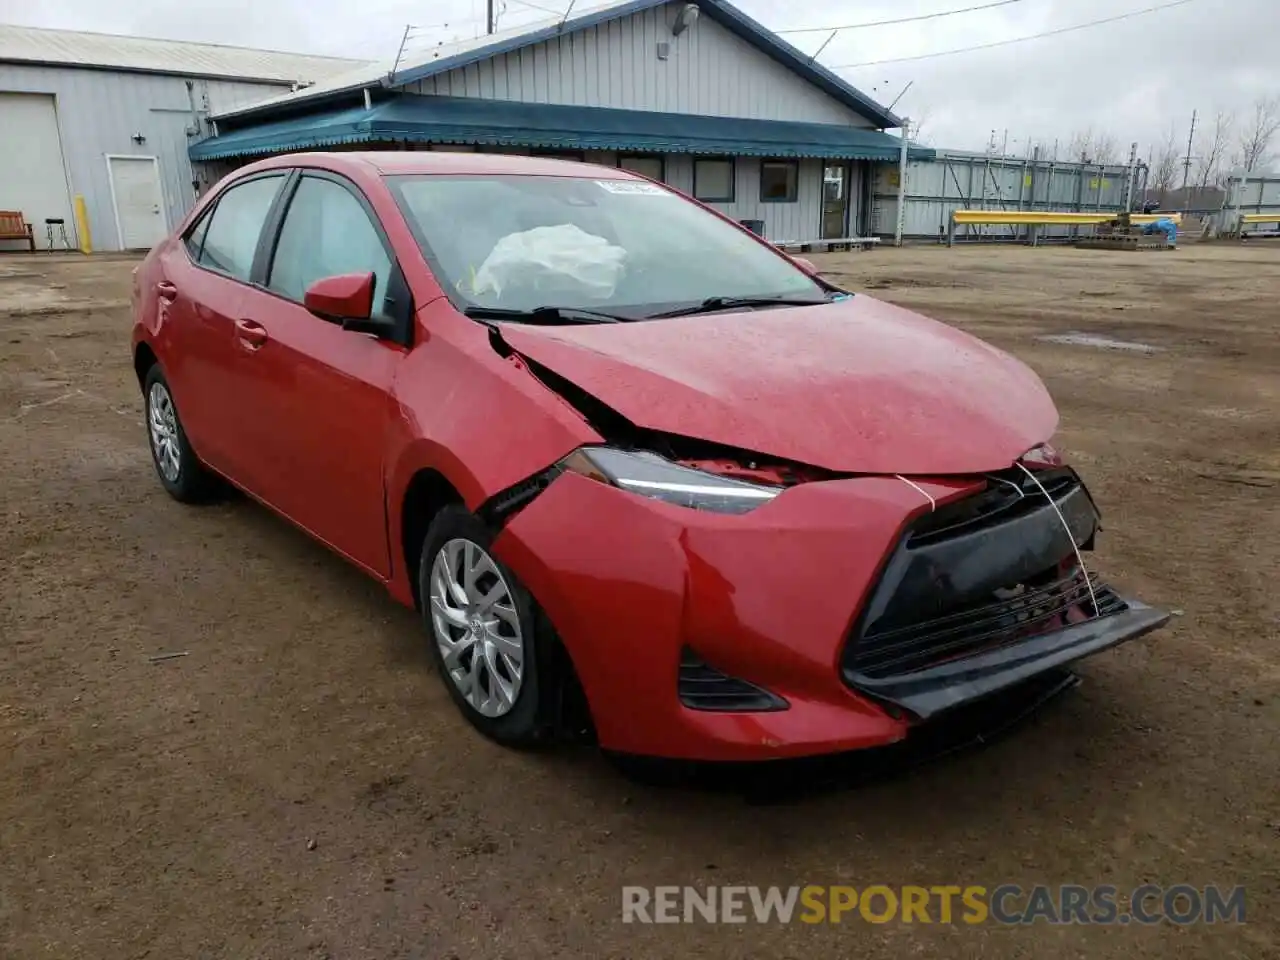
(99, 111)
(801, 220)
(678, 169)
(218, 96)
(710, 72)
(1257, 194)
(936, 188)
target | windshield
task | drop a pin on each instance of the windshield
(625, 247)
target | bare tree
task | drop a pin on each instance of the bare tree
(1211, 148)
(1105, 148)
(1165, 162)
(918, 123)
(1258, 133)
(1093, 146)
(1043, 149)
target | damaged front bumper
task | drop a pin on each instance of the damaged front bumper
(926, 693)
(781, 598)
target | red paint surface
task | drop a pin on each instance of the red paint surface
(857, 385)
(329, 428)
(348, 295)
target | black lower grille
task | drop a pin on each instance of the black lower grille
(981, 573)
(702, 687)
(1021, 612)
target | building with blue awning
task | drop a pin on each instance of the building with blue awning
(695, 94)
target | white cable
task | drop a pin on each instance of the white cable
(1088, 581)
(1005, 43)
(933, 504)
(1008, 483)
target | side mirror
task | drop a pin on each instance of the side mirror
(347, 299)
(805, 265)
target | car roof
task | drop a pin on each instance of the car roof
(393, 162)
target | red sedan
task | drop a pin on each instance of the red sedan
(621, 453)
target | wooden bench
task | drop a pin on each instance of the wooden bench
(13, 226)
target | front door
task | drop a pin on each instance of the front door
(139, 202)
(321, 396)
(835, 201)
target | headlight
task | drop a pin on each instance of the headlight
(650, 475)
(1044, 455)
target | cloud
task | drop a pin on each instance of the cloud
(1130, 78)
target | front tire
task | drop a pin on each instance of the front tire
(180, 471)
(483, 630)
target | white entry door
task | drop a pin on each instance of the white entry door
(139, 202)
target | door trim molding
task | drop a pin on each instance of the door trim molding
(111, 183)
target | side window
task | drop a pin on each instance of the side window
(327, 232)
(195, 237)
(231, 237)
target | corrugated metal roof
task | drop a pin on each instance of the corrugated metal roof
(75, 49)
(418, 66)
(508, 123)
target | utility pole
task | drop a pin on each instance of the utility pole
(489, 22)
(1186, 164)
(1132, 179)
(902, 183)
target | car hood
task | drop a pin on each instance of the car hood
(856, 386)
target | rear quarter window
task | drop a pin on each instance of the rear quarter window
(195, 236)
(231, 237)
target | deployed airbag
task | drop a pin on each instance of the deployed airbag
(548, 258)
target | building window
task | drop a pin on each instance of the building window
(559, 154)
(713, 180)
(647, 166)
(779, 181)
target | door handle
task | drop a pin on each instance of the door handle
(252, 335)
(166, 291)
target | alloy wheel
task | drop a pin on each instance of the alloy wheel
(477, 627)
(164, 432)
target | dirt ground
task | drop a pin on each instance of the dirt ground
(300, 786)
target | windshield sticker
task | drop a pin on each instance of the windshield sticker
(634, 187)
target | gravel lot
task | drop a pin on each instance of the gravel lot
(300, 786)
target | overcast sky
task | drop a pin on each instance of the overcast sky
(1131, 78)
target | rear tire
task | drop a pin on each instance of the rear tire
(181, 473)
(484, 631)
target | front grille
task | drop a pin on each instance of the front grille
(702, 687)
(1009, 494)
(985, 572)
(1023, 612)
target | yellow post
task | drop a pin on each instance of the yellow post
(82, 225)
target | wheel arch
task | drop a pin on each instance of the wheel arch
(144, 358)
(425, 494)
(426, 489)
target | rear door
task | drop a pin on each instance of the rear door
(203, 288)
(321, 395)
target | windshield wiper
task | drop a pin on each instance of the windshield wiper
(548, 315)
(726, 303)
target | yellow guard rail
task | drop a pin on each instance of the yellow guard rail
(1045, 218)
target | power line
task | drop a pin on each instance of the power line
(534, 6)
(1005, 43)
(885, 23)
